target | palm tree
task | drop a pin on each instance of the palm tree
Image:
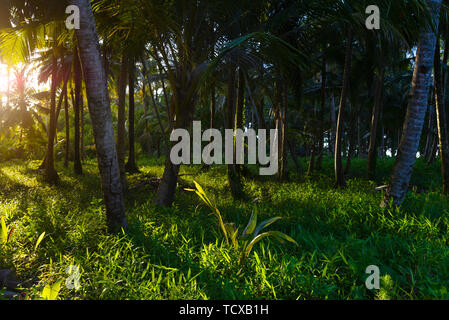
(78, 79)
(441, 118)
(100, 111)
(416, 110)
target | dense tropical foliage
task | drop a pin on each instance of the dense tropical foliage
(87, 180)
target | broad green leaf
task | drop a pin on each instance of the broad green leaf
(51, 292)
(265, 224)
(283, 236)
(4, 231)
(39, 240)
(251, 224)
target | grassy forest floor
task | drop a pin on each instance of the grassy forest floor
(179, 253)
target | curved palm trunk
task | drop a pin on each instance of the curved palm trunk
(416, 111)
(99, 108)
(338, 166)
(131, 165)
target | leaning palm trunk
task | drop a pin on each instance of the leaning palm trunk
(441, 120)
(416, 111)
(339, 175)
(100, 111)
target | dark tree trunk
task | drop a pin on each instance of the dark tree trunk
(239, 113)
(352, 140)
(82, 151)
(441, 119)
(100, 111)
(131, 165)
(78, 87)
(338, 166)
(121, 119)
(333, 122)
(232, 172)
(322, 111)
(283, 133)
(67, 131)
(51, 176)
(416, 111)
(372, 149)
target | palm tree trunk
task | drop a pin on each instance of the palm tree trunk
(372, 155)
(441, 119)
(82, 150)
(99, 107)
(67, 130)
(76, 108)
(233, 174)
(416, 111)
(51, 176)
(131, 166)
(339, 175)
(322, 111)
(121, 119)
(333, 125)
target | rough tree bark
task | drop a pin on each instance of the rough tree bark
(100, 111)
(416, 111)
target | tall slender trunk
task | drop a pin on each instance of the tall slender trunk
(51, 176)
(82, 149)
(441, 119)
(333, 120)
(416, 111)
(352, 140)
(372, 149)
(213, 104)
(233, 175)
(67, 130)
(283, 134)
(339, 175)
(121, 119)
(99, 108)
(131, 165)
(239, 113)
(322, 112)
(76, 108)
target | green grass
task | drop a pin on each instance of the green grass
(180, 253)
